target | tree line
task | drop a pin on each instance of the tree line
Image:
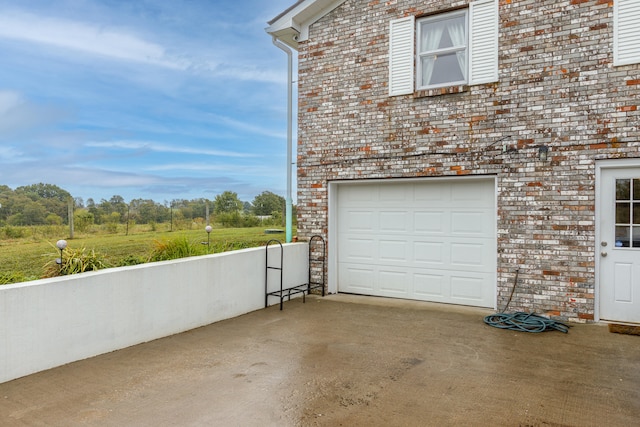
(48, 204)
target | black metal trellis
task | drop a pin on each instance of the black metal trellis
(316, 244)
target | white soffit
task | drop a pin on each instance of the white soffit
(292, 25)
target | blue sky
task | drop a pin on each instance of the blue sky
(162, 100)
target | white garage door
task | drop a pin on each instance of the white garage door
(430, 240)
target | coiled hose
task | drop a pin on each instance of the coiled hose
(520, 321)
(525, 322)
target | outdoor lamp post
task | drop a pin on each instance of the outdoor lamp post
(61, 244)
(208, 229)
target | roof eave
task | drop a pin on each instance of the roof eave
(292, 25)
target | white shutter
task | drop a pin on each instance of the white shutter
(626, 37)
(401, 48)
(483, 41)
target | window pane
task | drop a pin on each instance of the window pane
(636, 189)
(636, 213)
(443, 34)
(440, 69)
(623, 191)
(623, 211)
(622, 237)
(636, 237)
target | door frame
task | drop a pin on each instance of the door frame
(609, 164)
(332, 220)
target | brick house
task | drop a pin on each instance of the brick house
(449, 150)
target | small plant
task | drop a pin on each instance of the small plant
(130, 260)
(173, 249)
(8, 278)
(74, 261)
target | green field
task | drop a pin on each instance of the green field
(24, 255)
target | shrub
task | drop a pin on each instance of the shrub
(111, 227)
(230, 219)
(172, 249)
(53, 219)
(44, 232)
(75, 261)
(13, 232)
(83, 219)
(250, 221)
(237, 220)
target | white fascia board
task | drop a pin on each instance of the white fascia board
(293, 26)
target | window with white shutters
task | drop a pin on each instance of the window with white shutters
(454, 48)
(626, 37)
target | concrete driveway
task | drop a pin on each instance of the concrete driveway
(344, 361)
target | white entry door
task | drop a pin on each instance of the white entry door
(618, 245)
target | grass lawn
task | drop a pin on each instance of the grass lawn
(26, 257)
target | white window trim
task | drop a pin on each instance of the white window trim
(420, 53)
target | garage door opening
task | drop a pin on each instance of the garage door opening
(422, 239)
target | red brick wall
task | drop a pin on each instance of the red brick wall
(557, 87)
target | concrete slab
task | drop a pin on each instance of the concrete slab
(344, 360)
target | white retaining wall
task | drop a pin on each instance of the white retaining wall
(51, 322)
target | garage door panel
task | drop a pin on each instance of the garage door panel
(357, 194)
(358, 249)
(467, 254)
(394, 282)
(425, 240)
(470, 193)
(393, 251)
(396, 193)
(358, 279)
(432, 253)
(429, 286)
(358, 220)
(469, 288)
(395, 221)
(471, 222)
(431, 222)
(430, 192)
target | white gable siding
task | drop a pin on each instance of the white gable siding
(483, 42)
(401, 52)
(626, 37)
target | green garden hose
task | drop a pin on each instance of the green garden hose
(525, 322)
(520, 321)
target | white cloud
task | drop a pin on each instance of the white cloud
(162, 148)
(246, 126)
(17, 114)
(192, 167)
(123, 45)
(8, 101)
(9, 154)
(228, 169)
(82, 37)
